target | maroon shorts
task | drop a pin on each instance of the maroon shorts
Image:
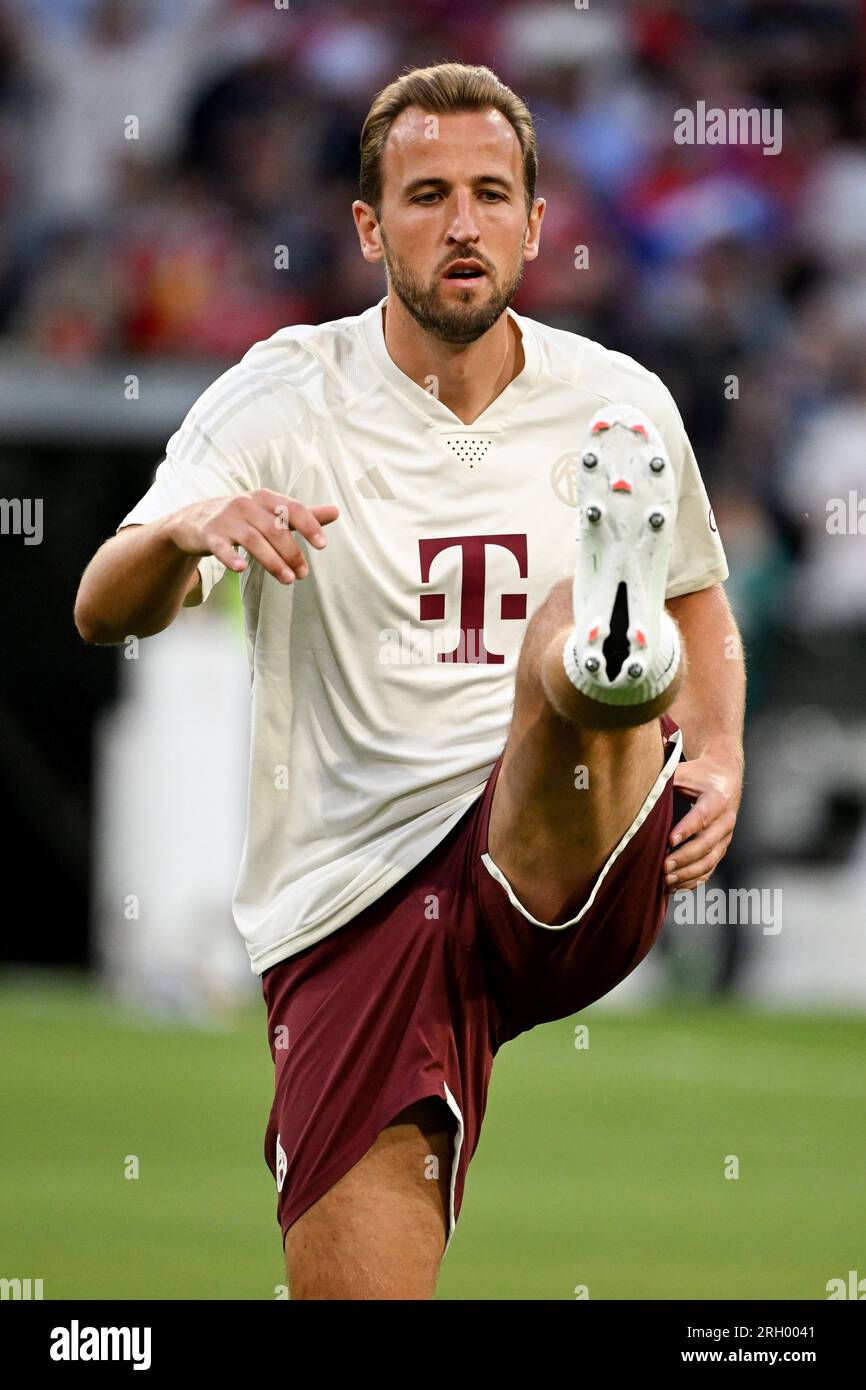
(415, 996)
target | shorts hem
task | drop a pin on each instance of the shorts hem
(331, 1175)
(652, 798)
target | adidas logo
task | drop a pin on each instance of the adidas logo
(372, 484)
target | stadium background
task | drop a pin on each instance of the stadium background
(137, 261)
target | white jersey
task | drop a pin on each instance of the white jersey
(382, 684)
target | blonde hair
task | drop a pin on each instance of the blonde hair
(441, 88)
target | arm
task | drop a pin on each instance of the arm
(138, 581)
(710, 711)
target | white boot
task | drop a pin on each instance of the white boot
(626, 515)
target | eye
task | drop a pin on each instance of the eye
(423, 197)
(491, 193)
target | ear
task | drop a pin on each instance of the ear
(532, 237)
(369, 235)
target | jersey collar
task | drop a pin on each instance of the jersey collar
(425, 404)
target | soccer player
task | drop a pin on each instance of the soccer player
(482, 588)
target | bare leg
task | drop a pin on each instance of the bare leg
(379, 1233)
(549, 836)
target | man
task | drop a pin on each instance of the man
(412, 895)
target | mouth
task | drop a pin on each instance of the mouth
(465, 273)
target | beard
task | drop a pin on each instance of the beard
(460, 322)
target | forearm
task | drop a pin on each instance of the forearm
(710, 707)
(135, 583)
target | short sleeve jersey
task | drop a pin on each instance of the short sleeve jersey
(382, 684)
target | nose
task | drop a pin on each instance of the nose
(463, 227)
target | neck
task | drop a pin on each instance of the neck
(468, 376)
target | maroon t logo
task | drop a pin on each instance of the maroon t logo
(470, 648)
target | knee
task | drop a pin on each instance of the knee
(572, 705)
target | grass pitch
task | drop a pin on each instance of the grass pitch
(601, 1166)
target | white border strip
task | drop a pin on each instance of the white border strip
(655, 792)
(453, 1106)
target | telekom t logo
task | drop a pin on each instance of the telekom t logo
(470, 647)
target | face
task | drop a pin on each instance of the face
(452, 227)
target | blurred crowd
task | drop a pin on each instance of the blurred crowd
(154, 153)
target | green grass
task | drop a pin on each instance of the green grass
(601, 1167)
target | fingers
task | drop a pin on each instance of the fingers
(288, 515)
(263, 522)
(225, 553)
(699, 845)
(691, 870)
(283, 543)
(704, 811)
(276, 552)
(710, 825)
(276, 524)
(699, 841)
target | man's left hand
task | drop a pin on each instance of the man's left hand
(716, 787)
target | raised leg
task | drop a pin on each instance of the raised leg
(575, 772)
